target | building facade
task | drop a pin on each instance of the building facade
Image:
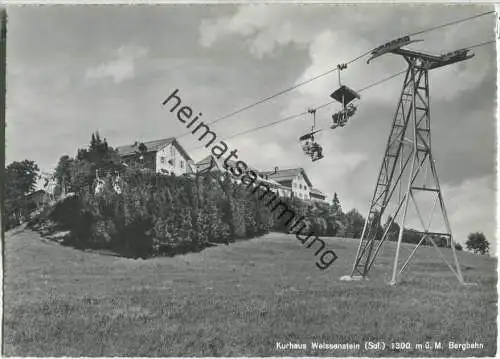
(286, 183)
(161, 156)
(295, 180)
(211, 163)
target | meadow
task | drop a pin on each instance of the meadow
(238, 300)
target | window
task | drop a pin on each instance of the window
(163, 160)
(182, 164)
(172, 151)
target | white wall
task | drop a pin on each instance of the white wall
(179, 165)
(284, 192)
(300, 188)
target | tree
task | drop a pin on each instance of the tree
(20, 179)
(477, 243)
(458, 247)
(63, 172)
(354, 224)
(99, 155)
(336, 207)
(142, 148)
(141, 151)
(393, 232)
(99, 152)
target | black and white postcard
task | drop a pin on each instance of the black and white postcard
(249, 180)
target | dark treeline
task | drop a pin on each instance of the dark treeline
(139, 213)
(153, 214)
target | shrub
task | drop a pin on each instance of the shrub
(67, 212)
(104, 232)
(156, 214)
(40, 218)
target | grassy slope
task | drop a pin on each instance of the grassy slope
(236, 300)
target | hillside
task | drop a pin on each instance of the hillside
(237, 300)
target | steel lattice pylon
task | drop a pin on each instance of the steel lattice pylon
(408, 168)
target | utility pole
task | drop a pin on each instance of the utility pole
(408, 167)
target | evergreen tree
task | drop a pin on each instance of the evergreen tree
(63, 172)
(97, 157)
(142, 148)
(336, 207)
(19, 179)
(355, 224)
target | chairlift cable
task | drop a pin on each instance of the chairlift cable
(292, 117)
(481, 44)
(455, 22)
(288, 89)
(380, 81)
(282, 92)
(288, 118)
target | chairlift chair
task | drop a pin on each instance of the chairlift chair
(309, 145)
(344, 95)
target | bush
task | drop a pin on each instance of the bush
(104, 232)
(67, 213)
(164, 215)
(40, 218)
(157, 214)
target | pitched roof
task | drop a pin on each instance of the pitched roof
(287, 174)
(206, 160)
(152, 146)
(249, 168)
(206, 164)
(220, 163)
(272, 183)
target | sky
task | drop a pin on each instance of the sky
(72, 70)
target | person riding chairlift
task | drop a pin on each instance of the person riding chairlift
(316, 152)
(341, 117)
